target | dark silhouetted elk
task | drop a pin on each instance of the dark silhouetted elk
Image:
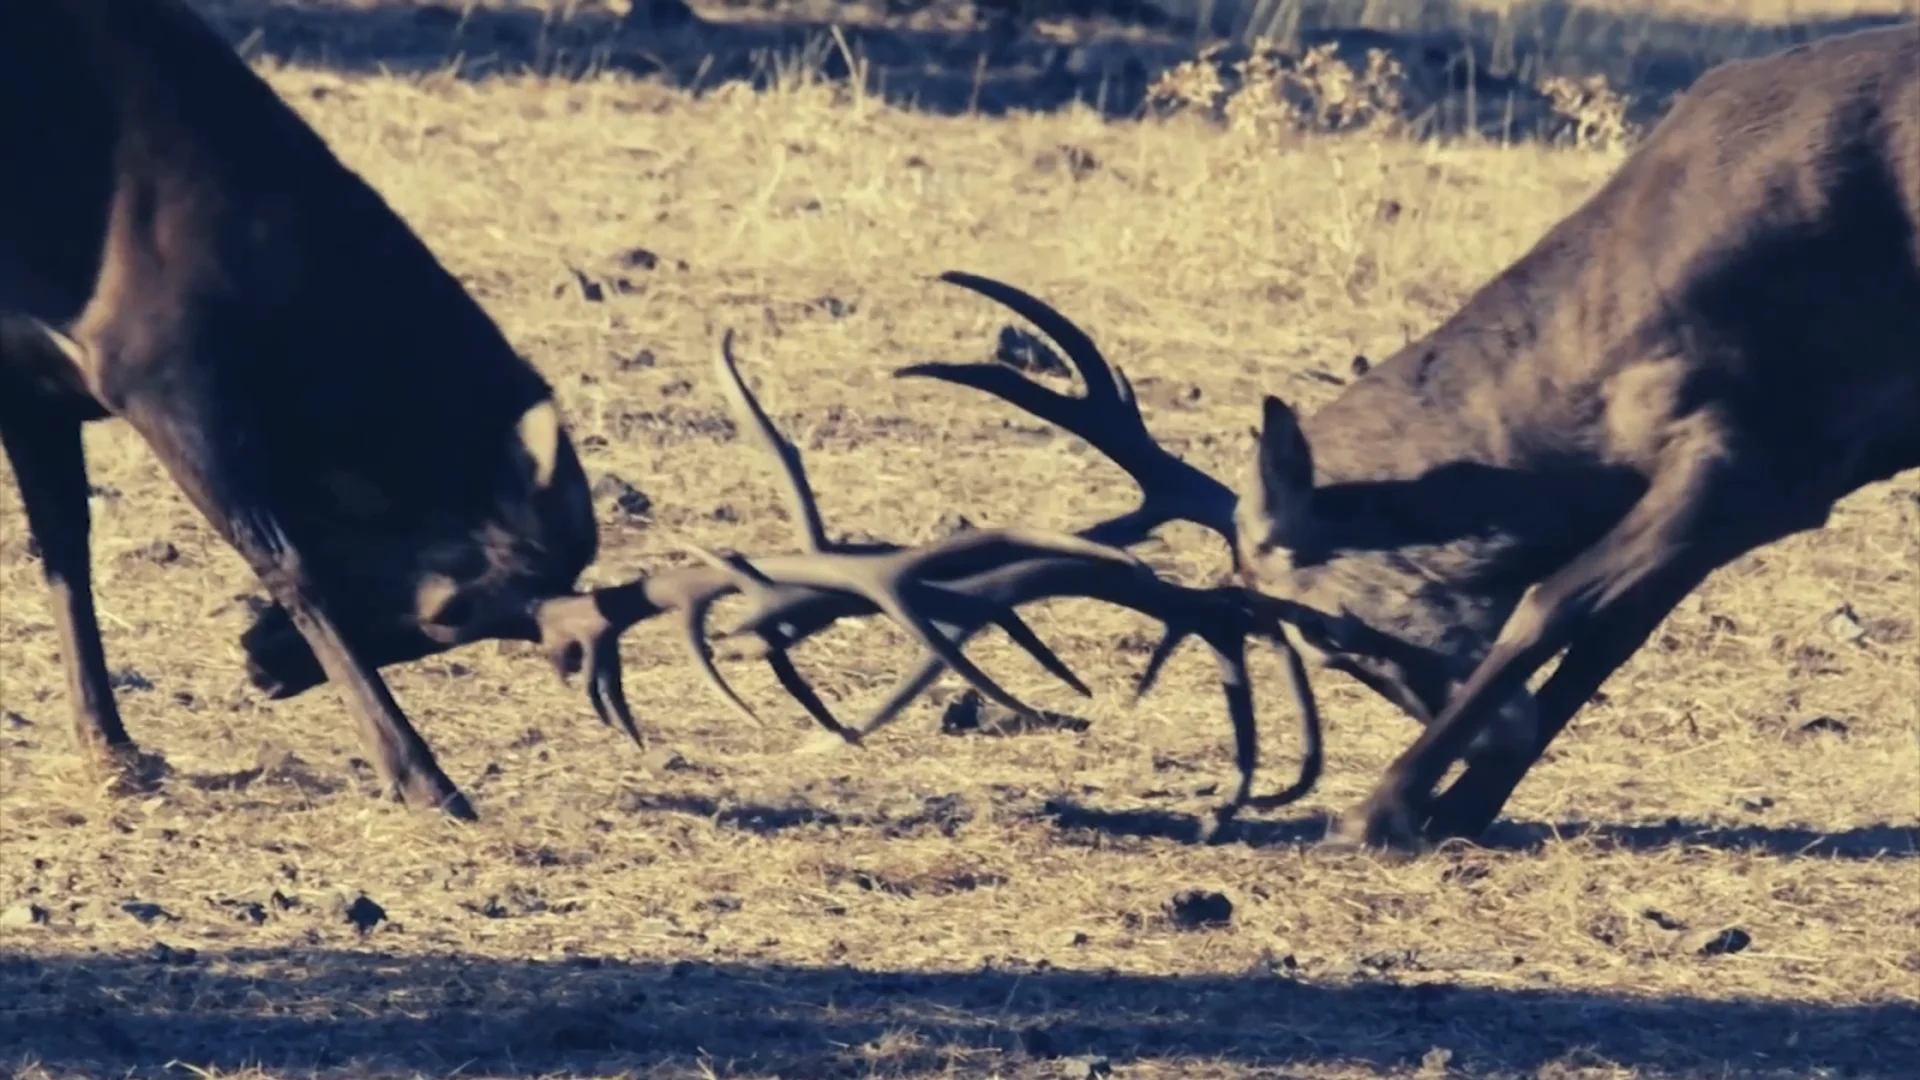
(180, 251)
(1718, 345)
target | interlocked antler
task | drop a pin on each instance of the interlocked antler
(945, 592)
(842, 579)
(1109, 419)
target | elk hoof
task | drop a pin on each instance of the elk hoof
(128, 770)
(430, 791)
(1382, 823)
(1458, 815)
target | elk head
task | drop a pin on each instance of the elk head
(1326, 574)
(1409, 620)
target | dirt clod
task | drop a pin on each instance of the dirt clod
(147, 914)
(1195, 909)
(630, 501)
(1723, 942)
(362, 913)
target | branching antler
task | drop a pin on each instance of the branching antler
(842, 579)
(945, 592)
(1109, 419)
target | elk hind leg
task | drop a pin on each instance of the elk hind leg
(43, 444)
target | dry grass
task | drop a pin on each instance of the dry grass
(942, 905)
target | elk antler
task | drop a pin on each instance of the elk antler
(1108, 419)
(945, 592)
(844, 579)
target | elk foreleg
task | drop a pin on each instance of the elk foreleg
(1475, 799)
(1698, 512)
(212, 451)
(44, 446)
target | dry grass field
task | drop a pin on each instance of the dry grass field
(1713, 875)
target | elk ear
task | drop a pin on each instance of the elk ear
(538, 437)
(1278, 504)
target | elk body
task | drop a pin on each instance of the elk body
(178, 249)
(1719, 345)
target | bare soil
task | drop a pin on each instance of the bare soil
(1714, 874)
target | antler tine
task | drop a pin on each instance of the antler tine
(882, 576)
(1107, 418)
(800, 497)
(1217, 616)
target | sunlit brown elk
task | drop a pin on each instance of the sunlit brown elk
(1706, 356)
(179, 250)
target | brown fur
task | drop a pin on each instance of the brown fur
(180, 250)
(1721, 343)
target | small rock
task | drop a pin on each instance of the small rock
(590, 290)
(246, 911)
(642, 359)
(163, 953)
(639, 259)
(1824, 724)
(1096, 1068)
(1196, 908)
(1360, 366)
(21, 915)
(1662, 920)
(627, 499)
(146, 914)
(1723, 942)
(16, 721)
(950, 523)
(160, 552)
(363, 913)
(1844, 625)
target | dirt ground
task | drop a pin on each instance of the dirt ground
(1714, 874)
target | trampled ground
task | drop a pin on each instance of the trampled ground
(1713, 875)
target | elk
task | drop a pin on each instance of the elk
(1721, 343)
(180, 251)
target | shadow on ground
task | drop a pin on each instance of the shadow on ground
(367, 1013)
(962, 56)
(1867, 842)
(948, 813)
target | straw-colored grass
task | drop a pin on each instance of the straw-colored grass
(940, 904)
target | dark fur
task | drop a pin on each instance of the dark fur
(321, 388)
(1721, 343)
